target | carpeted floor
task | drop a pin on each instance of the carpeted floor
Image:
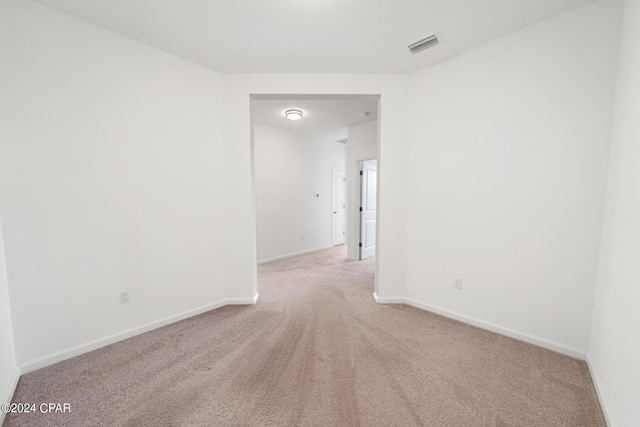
(316, 350)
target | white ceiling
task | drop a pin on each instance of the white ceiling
(324, 119)
(352, 36)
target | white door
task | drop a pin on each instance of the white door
(338, 187)
(368, 182)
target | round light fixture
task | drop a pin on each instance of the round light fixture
(293, 114)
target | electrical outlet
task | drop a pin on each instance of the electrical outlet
(125, 297)
(457, 283)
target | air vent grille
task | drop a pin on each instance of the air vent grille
(423, 44)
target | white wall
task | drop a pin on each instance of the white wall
(290, 169)
(362, 145)
(615, 341)
(507, 170)
(8, 365)
(112, 173)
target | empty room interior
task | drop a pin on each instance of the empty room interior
(320, 213)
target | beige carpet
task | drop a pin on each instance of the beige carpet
(315, 351)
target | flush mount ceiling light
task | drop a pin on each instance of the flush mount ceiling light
(293, 114)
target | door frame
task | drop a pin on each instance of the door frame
(288, 95)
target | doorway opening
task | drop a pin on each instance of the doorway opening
(306, 174)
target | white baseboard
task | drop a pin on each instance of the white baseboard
(395, 300)
(550, 345)
(603, 401)
(306, 251)
(245, 301)
(8, 395)
(59, 356)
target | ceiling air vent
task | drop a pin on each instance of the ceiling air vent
(423, 44)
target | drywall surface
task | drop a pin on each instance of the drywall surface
(8, 365)
(363, 145)
(290, 169)
(112, 177)
(507, 170)
(237, 89)
(615, 341)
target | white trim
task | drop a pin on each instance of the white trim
(600, 392)
(243, 301)
(359, 169)
(278, 258)
(365, 158)
(8, 396)
(77, 350)
(540, 342)
(393, 300)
